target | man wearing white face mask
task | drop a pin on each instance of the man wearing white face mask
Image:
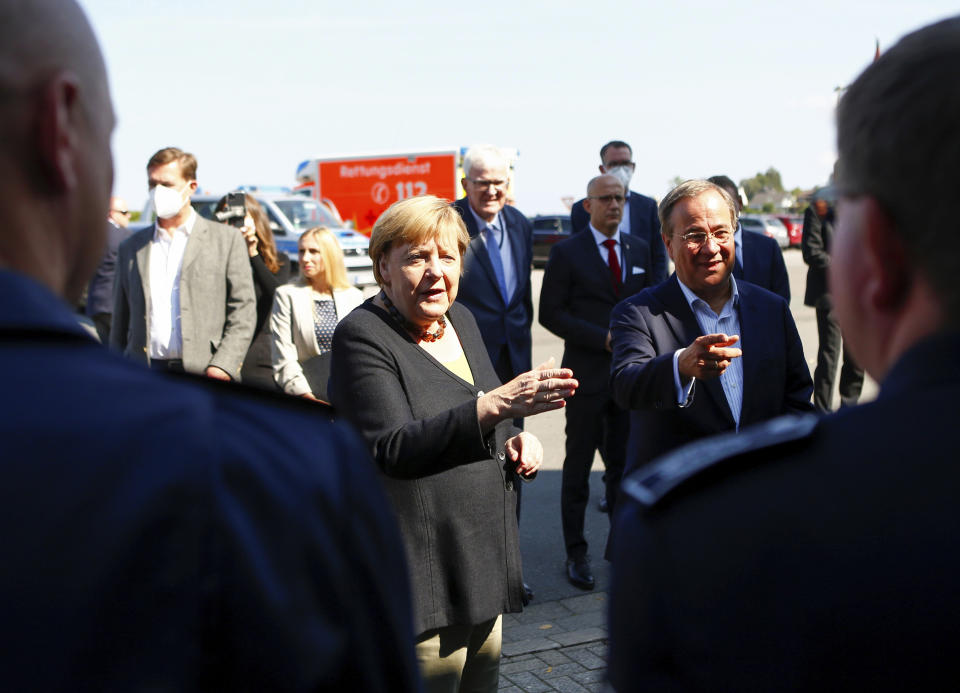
(184, 298)
(639, 212)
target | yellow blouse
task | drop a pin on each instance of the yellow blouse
(461, 368)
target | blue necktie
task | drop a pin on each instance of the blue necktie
(493, 248)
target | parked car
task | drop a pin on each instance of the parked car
(768, 225)
(291, 215)
(547, 230)
(794, 226)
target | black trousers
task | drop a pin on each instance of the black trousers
(594, 423)
(828, 354)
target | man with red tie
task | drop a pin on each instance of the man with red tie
(586, 276)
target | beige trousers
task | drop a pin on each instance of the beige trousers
(461, 659)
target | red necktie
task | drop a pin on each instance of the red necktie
(614, 265)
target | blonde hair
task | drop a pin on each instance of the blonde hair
(414, 221)
(334, 270)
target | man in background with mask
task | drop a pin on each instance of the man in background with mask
(639, 212)
(184, 297)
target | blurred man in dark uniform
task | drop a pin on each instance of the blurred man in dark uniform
(158, 534)
(817, 242)
(819, 554)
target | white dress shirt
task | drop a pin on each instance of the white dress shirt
(727, 322)
(166, 261)
(600, 239)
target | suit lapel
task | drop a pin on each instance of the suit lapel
(686, 328)
(143, 267)
(516, 249)
(195, 242)
(679, 317)
(303, 314)
(750, 322)
(593, 264)
(631, 259)
(479, 248)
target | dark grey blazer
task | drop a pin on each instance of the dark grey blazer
(454, 500)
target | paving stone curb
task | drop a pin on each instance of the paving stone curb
(556, 646)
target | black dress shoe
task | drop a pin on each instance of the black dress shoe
(579, 575)
(527, 595)
(603, 507)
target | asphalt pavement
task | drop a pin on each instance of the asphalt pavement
(559, 642)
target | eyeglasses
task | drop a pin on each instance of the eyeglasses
(696, 239)
(607, 199)
(615, 164)
(124, 212)
(487, 183)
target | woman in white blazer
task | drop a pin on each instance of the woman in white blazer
(306, 312)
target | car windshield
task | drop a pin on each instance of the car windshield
(305, 214)
(559, 224)
(751, 223)
(776, 222)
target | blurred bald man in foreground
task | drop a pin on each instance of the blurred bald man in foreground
(184, 550)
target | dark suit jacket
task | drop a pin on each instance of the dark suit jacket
(178, 534)
(454, 500)
(822, 561)
(644, 223)
(100, 289)
(815, 244)
(576, 299)
(479, 291)
(765, 265)
(648, 328)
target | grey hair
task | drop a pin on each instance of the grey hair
(688, 189)
(484, 156)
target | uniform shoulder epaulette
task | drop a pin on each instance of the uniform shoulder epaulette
(650, 485)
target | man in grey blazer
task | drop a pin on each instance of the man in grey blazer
(183, 299)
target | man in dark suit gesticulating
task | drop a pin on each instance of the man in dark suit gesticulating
(495, 285)
(702, 353)
(586, 276)
(639, 211)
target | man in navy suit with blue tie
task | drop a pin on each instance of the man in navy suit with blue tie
(496, 266)
(586, 276)
(495, 285)
(639, 211)
(759, 258)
